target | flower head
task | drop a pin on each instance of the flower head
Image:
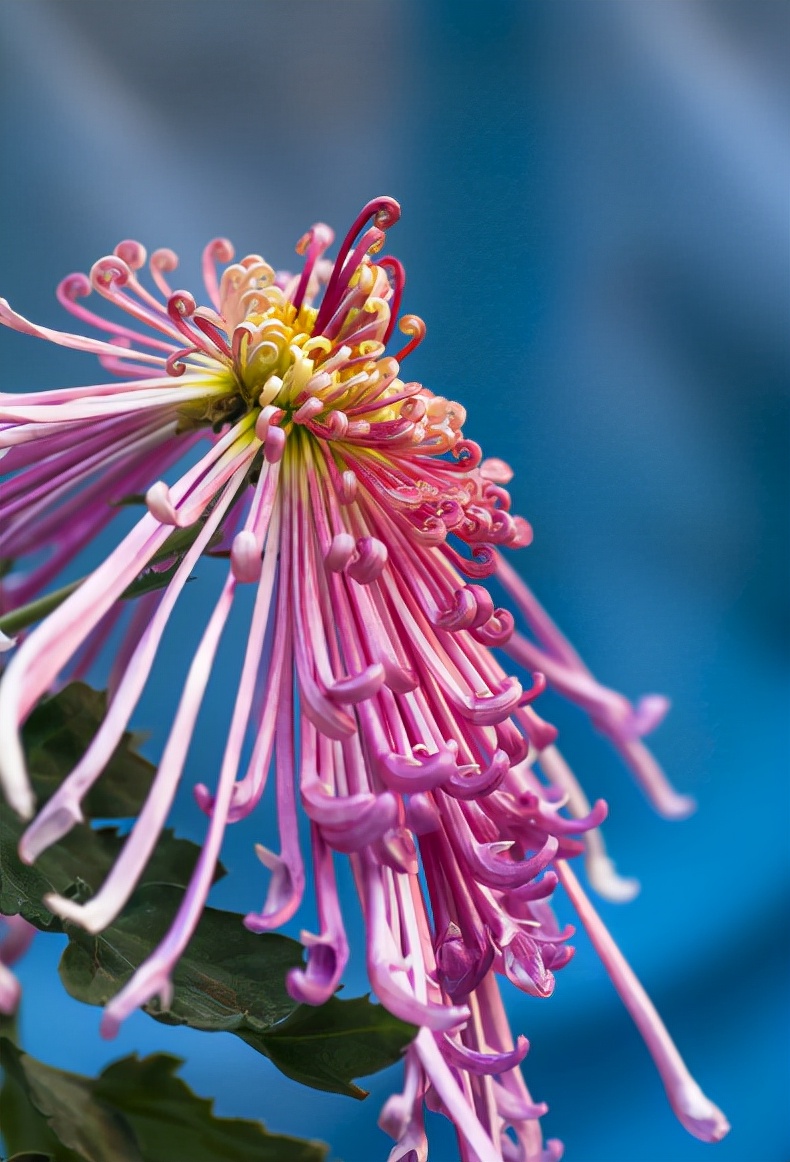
(352, 503)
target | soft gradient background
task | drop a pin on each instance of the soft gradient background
(595, 229)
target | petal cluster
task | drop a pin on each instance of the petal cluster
(368, 693)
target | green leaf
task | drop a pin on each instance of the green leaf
(131, 498)
(227, 979)
(151, 579)
(137, 1110)
(173, 1125)
(77, 866)
(71, 1124)
(233, 980)
(25, 615)
(170, 556)
(56, 736)
(326, 1047)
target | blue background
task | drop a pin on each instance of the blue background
(595, 230)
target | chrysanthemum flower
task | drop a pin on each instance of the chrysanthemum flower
(365, 521)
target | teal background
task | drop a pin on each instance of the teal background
(595, 230)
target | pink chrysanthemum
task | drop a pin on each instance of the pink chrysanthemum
(365, 521)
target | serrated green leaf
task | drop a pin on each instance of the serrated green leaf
(150, 580)
(23, 1128)
(137, 1110)
(55, 737)
(326, 1047)
(172, 1124)
(131, 498)
(227, 979)
(77, 866)
(79, 1127)
(166, 561)
(233, 980)
(57, 734)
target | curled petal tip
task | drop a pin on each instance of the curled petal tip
(20, 798)
(245, 557)
(109, 1026)
(10, 991)
(160, 504)
(371, 559)
(697, 1114)
(650, 711)
(203, 797)
(395, 1116)
(131, 252)
(418, 773)
(340, 552)
(6, 643)
(481, 1062)
(91, 919)
(496, 470)
(678, 806)
(358, 687)
(608, 883)
(48, 828)
(422, 814)
(274, 445)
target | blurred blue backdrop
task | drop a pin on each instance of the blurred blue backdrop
(595, 230)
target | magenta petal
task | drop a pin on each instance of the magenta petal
(315, 984)
(438, 1017)
(419, 773)
(358, 686)
(462, 963)
(286, 888)
(500, 872)
(396, 850)
(493, 708)
(523, 965)
(536, 889)
(513, 1107)
(350, 822)
(422, 814)
(483, 783)
(483, 1063)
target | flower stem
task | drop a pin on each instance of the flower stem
(11, 623)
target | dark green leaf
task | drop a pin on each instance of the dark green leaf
(131, 498)
(135, 1111)
(23, 1128)
(172, 1124)
(150, 580)
(55, 737)
(77, 1126)
(326, 1047)
(77, 866)
(228, 978)
(170, 555)
(57, 734)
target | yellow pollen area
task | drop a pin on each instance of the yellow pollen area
(277, 361)
(276, 351)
